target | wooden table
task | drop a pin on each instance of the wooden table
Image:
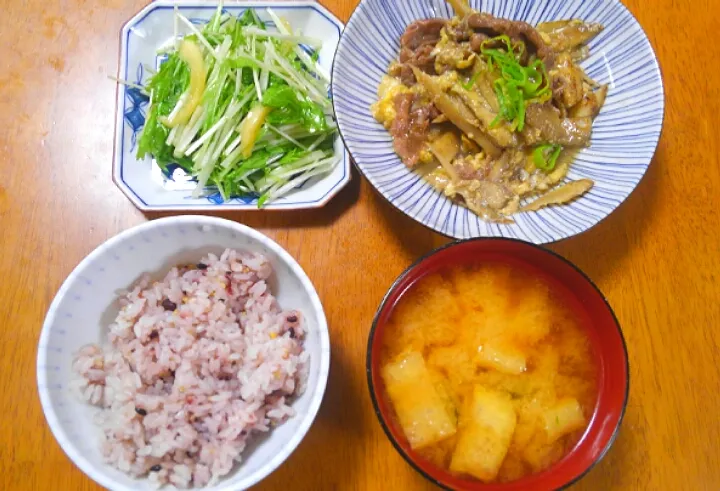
(657, 258)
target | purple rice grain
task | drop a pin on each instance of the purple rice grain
(169, 305)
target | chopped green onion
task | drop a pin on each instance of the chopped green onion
(470, 83)
(546, 156)
(517, 85)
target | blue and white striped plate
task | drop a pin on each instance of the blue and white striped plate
(625, 134)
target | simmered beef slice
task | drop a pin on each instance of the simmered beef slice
(421, 33)
(410, 127)
(416, 46)
(404, 72)
(421, 58)
(491, 26)
(545, 125)
(476, 41)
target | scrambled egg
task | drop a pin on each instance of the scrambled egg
(384, 109)
(426, 157)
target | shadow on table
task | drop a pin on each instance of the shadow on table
(342, 407)
(411, 235)
(343, 422)
(316, 217)
(607, 242)
(603, 247)
(332, 454)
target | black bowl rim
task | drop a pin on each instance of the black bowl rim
(404, 274)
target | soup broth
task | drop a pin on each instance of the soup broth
(489, 372)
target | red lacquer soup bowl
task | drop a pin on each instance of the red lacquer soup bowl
(606, 340)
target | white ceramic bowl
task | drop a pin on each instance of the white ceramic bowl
(85, 306)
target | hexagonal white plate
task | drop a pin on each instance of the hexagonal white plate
(142, 180)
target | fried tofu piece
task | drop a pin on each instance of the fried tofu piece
(501, 357)
(424, 412)
(563, 418)
(485, 434)
(541, 454)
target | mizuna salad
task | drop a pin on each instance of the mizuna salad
(242, 106)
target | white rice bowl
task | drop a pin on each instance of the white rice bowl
(273, 404)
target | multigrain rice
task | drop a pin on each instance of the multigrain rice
(195, 366)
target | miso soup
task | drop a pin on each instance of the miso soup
(489, 371)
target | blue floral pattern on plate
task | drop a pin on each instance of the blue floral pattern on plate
(135, 114)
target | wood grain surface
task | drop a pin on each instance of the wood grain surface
(657, 258)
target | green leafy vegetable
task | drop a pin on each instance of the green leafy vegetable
(292, 107)
(166, 88)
